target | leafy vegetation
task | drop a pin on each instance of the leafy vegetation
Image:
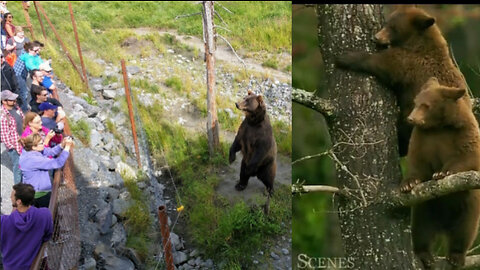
(80, 130)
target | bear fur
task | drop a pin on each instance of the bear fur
(445, 140)
(255, 139)
(415, 51)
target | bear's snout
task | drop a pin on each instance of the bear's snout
(236, 104)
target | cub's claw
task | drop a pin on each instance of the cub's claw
(440, 175)
(407, 186)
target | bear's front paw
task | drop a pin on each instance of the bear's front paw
(240, 187)
(345, 60)
(408, 185)
(440, 175)
(231, 157)
(456, 259)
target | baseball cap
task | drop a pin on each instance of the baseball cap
(8, 95)
(46, 106)
(45, 66)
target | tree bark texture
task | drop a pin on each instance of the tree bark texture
(209, 38)
(363, 128)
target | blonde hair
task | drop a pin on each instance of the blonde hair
(29, 116)
(18, 29)
(30, 141)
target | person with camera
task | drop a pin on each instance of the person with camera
(33, 124)
(35, 164)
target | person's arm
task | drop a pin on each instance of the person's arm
(48, 137)
(45, 163)
(52, 151)
(9, 30)
(48, 228)
(5, 133)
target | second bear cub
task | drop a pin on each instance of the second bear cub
(445, 140)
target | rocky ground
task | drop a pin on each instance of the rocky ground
(102, 196)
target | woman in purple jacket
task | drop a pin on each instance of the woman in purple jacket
(34, 163)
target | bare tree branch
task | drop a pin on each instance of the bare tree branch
(188, 15)
(311, 101)
(224, 28)
(220, 17)
(420, 193)
(471, 263)
(230, 45)
(314, 188)
(434, 189)
(222, 6)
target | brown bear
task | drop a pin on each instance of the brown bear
(415, 51)
(445, 140)
(255, 139)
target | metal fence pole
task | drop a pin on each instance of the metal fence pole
(40, 20)
(130, 111)
(84, 70)
(167, 245)
(60, 40)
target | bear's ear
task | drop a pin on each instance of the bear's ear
(422, 21)
(453, 93)
(249, 92)
(260, 99)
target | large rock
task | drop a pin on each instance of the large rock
(95, 138)
(104, 219)
(119, 235)
(109, 94)
(110, 261)
(176, 242)
(179, 257)
(90, 264)
(133, 70)
(120, 206)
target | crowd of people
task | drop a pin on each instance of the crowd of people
(32, 131)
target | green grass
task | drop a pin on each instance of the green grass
(80, 130)
(283, 137)
(175, 83)
(271, 62)
(138, 221)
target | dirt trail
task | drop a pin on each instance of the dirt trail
(223, 53)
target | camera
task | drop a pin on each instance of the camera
(58, 129)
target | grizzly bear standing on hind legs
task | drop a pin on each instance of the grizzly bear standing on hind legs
(445, 140)
(415, 50)
(255, 140)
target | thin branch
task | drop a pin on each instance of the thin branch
(473, 249)
(218, 26)
(434, 189)
(472, 262)
(220, 17)
(355, 177)
(222, 6)
(230, 45)
(187, 15)
(310, 157)
(311, 101)
(320, 188)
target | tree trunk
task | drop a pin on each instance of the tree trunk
(365, 149)
(209, 39)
